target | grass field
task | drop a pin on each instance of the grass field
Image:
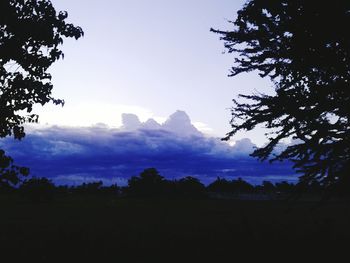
(105, 228)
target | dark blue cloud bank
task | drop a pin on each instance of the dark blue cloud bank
(70, 155)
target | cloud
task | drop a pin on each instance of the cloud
(244, 146)
(87, 114)
(180, 124)
(203, 127)
(151, 124)
(176, 149)
(130, 121)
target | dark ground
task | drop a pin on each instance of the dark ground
(107, 229)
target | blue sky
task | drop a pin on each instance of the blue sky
(147, 58)
(150, 58)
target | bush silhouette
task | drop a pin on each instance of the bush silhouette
(190, 187)
(148, 183)
(220, 186)
(38, 189)
(89, 188)
(268, 187)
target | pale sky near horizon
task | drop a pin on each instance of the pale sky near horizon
(150, 58)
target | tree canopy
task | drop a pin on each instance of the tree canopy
(31, 32)
(304, 48)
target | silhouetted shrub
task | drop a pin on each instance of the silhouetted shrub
(268, 187)
(285, 187)
(6, 188)
(63, 189)
(220, 186)
(112, 189)
(233, 187)
(148, 183)
(190, 187)
(38, 189)
(241, 186)
(89, 188)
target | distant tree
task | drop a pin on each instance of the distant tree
(284, 187)
(113, 189)
(268, 187)
(37, 189)
(63, 189)
(190, 187)
(31, 32)
(220, 185)
(241, 186)
(148, 183)
(304, 48)
(89, 188)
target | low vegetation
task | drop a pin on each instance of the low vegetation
(170, 220)
(150, 184)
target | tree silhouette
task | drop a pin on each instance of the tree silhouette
(30, 35)
(220, 185)
(190, 187)
(303, 48)
(234, 186)
(9, 171)
(268, 187)
(241, 186)
(149, 183)
(38, 189)
(285, 187)
(89, 188)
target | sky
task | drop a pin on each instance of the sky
(176, 148)
(149, 58)
(146, 86)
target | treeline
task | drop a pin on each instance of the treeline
(151, 184)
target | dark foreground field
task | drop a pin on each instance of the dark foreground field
(105, 228)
